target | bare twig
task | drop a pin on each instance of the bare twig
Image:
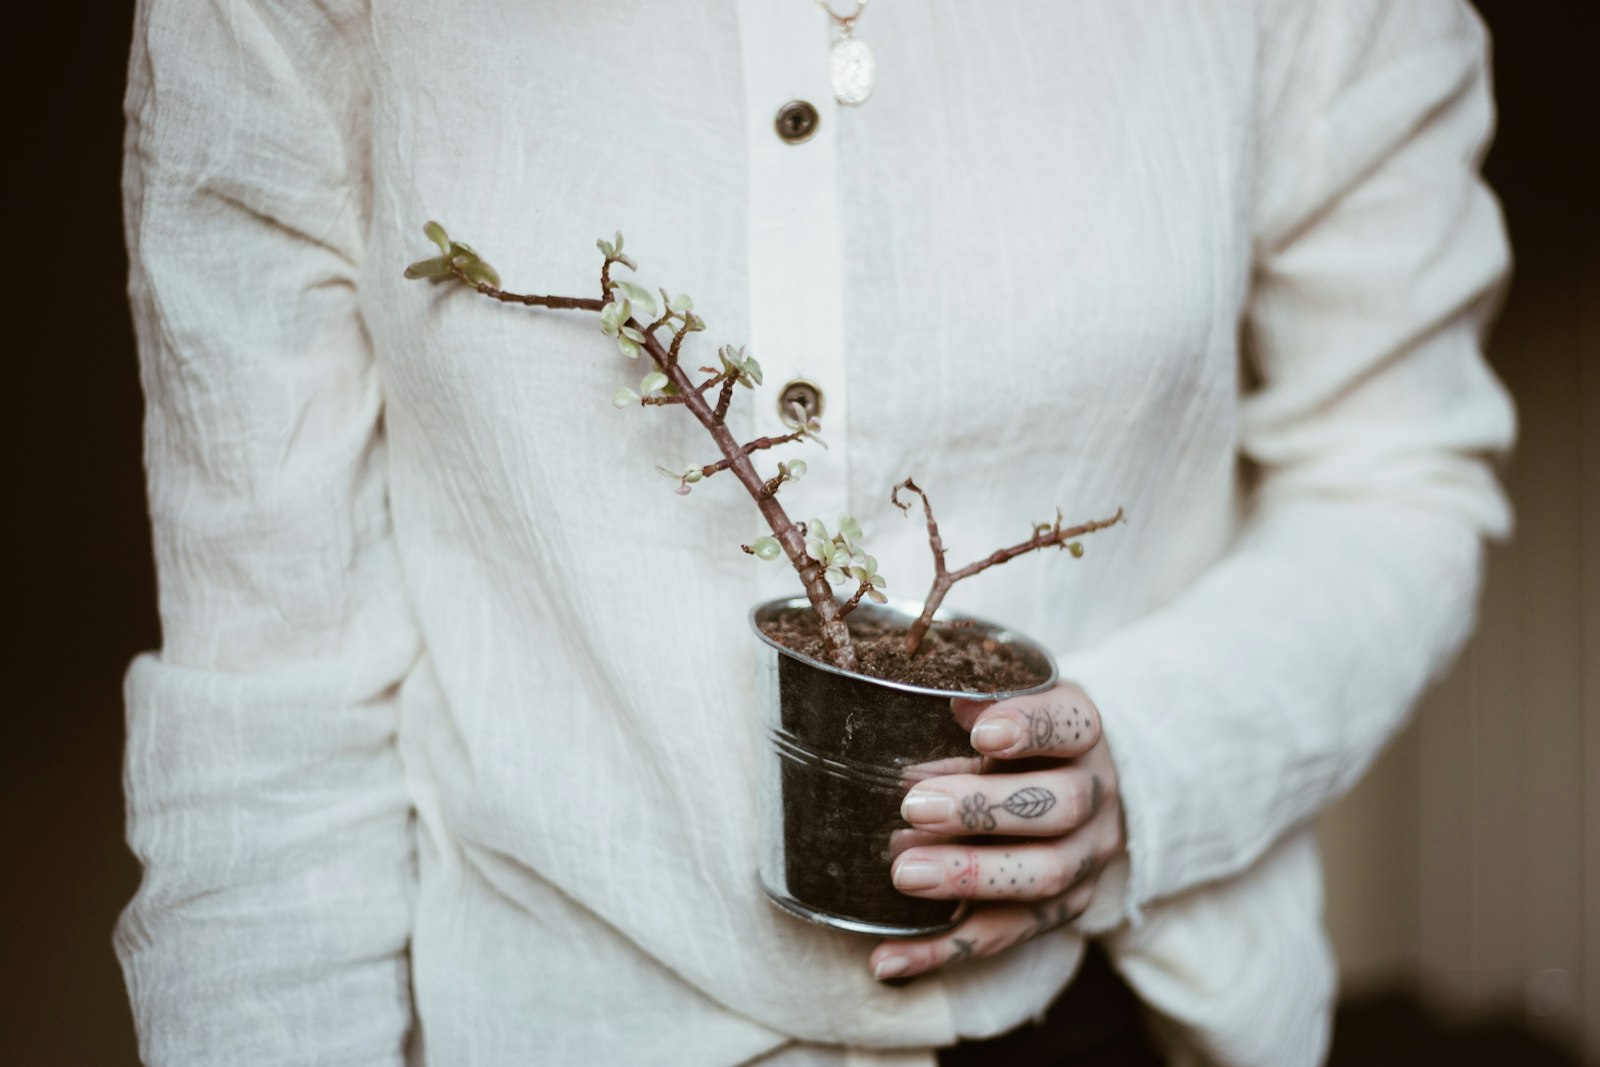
(850, 605)
(753, 446)
(1044, 536)
(727, 396)
(566, 303)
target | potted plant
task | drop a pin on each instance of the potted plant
(857, 689)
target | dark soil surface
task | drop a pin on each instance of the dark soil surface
(951, 658)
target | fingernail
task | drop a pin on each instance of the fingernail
(924, 806)
(996, 734)
(898, 982)
(916, 874)
(891, 967)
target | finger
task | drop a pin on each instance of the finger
(901, 840)
(912, 773)
(1017, 871)
(1061, 722)
(1044, 803)
(989, 929)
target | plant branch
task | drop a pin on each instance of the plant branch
(835, 635)
(1044, 536)
(735, 457)
(727, 396)
(565, 303)
(677, 342)
(753, 446)
(850, 605)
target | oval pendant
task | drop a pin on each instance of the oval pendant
(852, 70)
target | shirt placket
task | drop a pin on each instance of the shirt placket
(796, 302)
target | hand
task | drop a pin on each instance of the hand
(1051, 794)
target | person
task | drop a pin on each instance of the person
(448, 749)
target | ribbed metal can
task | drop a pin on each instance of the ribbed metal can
(840, 750)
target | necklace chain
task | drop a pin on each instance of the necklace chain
(846, 22)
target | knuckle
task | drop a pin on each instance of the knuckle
(1058, 878)
(1078, 901)
(1075, 802)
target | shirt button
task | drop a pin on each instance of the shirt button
(807, 394)
(796, 121)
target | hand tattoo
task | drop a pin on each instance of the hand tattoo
(1029, 802)
(1047, 728)
(975, 813)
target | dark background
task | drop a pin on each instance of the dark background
(78, 492)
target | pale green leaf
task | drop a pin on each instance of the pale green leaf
(629, 348)
(437, 235)
(437, 267)
(641, 298)
(877, 597)
(651, 382)
(632, 334)
(797, 469)
(766, 547)
(622, 398)
(479, 271)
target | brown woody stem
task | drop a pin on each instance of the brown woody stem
(677, 343)
(727, 396)
(850, 605)
(753, 446)
(565, 303)
(944, 578)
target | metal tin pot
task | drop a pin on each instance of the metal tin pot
(841, 751)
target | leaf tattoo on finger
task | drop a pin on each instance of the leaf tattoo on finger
(963, 949)
(1030, 803)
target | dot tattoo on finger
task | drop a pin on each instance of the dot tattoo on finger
(967, 875)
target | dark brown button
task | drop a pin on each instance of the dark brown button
(796, 121)
(807, 394)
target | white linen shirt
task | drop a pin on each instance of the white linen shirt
(451, 733)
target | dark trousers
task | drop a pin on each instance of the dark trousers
(1095, 1022)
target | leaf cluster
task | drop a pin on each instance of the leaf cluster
(456, 255)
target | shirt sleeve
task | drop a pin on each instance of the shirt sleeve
(264, 790)
(1237, 711)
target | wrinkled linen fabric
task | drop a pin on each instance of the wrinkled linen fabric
(449, 749)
